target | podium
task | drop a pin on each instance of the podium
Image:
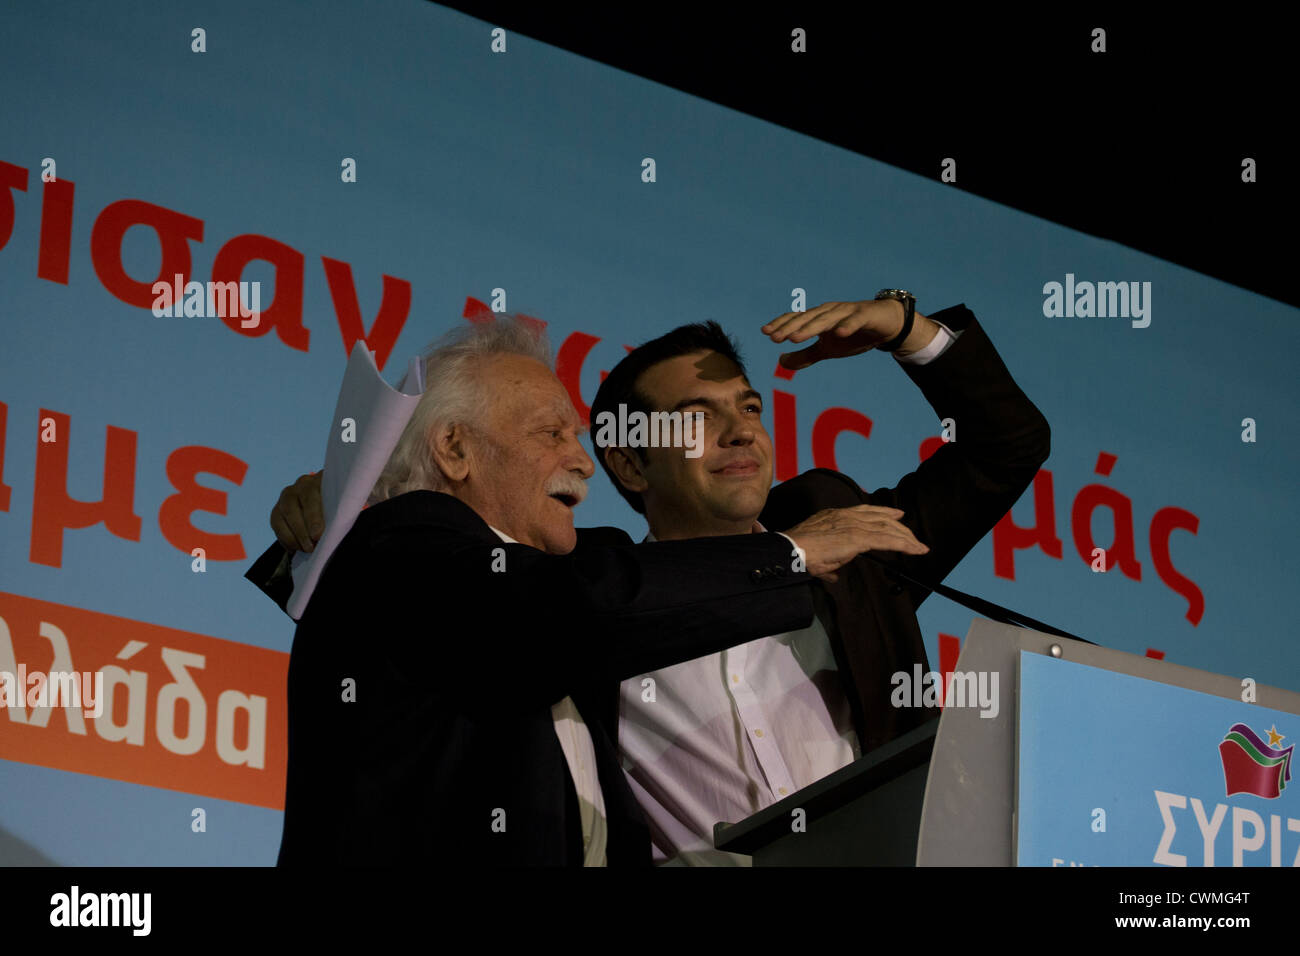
(1071, 750)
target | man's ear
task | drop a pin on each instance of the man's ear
(450, 451)
(627, 469)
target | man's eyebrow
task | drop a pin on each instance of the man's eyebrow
(699, 400)
(548, 411)
(710, 403)
(554, 415)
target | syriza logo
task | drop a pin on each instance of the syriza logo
(1252, 766)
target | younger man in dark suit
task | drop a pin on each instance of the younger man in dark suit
(738, 730)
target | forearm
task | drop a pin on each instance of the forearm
(924, 329)
(997, 441)
(992, 419)
(544, 626)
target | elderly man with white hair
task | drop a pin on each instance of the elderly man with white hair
(438, 675)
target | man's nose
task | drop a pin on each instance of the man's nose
(580, 462)
(738, 431)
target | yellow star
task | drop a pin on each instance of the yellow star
(1274, 738)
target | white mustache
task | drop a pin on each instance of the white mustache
(566, 484)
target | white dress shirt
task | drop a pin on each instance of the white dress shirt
(729, 734)
(580, 755)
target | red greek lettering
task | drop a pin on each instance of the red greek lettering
(1009, 537)
(828, 427)
(284, 314)
(785, 435)
(4, 489)
(1163, 523)
(568, 369)
(53, 510)
(1088, 500)
(174, 231)
(11, 177)
(174, 516)
(56, 231)
(394, 307)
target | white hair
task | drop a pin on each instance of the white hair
(455, 393)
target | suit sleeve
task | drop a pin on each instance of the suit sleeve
(536, 627)
(961, 491)
(272, 574)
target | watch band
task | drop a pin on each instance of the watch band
(909, 313)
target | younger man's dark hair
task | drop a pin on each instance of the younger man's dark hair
(620, 386)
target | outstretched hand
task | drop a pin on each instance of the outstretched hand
(833, 537)
(843, 328)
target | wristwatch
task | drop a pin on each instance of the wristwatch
(909, 312)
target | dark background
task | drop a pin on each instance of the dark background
(1141, 144)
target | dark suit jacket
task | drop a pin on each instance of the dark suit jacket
(950, 502)
(456, 666)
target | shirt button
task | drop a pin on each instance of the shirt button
(758, 733)
(735, 678)
(781, 790)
